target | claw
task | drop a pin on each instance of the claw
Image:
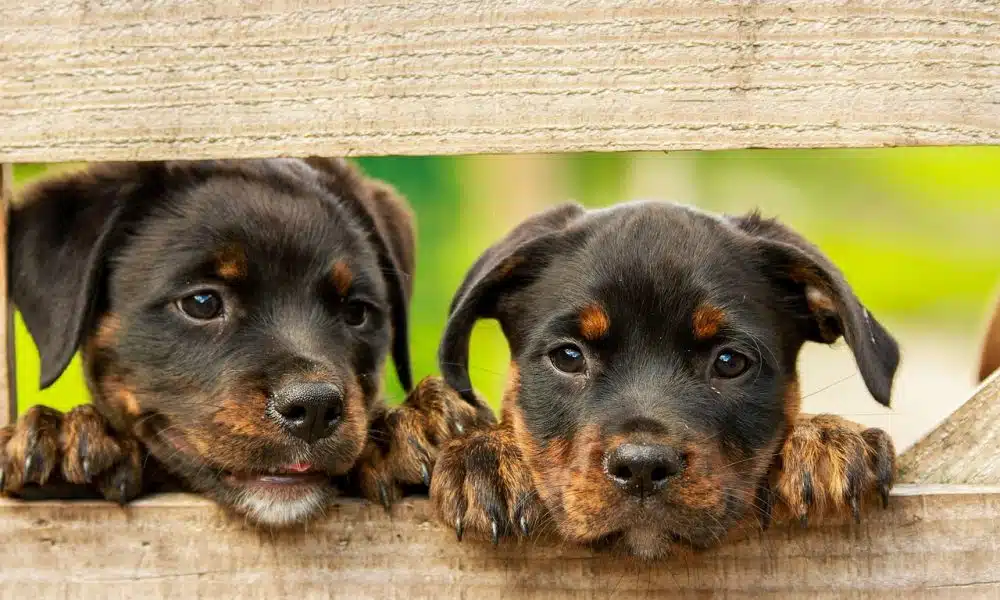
(495, 527)
(3, 477)
(459, 428)
(383, 495)
(855, 510)
(29, 464)
(804, 520)
(459, 528)
(882, 490)
(807, 488)
(523, 522)
(425, 474)
(86, 469)
(122, 494)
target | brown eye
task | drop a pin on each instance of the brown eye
(568, 359)
(201, 306)
(356, 314)
(730, 364)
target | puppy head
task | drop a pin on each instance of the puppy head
(235, 316)
(654, 351)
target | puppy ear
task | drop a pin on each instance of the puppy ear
(388, 217)
(511, 263)
(60, 236)
(822, 302)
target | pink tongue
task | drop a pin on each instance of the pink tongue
(299, 467)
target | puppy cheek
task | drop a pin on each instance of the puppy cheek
(703, 486)
(348, 442)
(569, 478)
(245, 415)
(590, 501)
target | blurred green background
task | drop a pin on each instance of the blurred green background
(915, 230)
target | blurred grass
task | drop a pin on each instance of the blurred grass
(915, 230)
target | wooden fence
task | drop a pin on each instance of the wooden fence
(94, 81)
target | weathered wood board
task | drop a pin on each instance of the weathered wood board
(932, 542)
(83, 80)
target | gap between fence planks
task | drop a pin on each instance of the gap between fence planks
(95, 81)
(932, 541)
(965, 448)
(8, 387)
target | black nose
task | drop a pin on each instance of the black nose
(308, 410)
(641, 469)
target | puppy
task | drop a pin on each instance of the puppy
(653, 402)
(234, 319)
(990, 359)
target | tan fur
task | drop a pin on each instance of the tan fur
(594, 322)
(706, 321)
(231, 262)
(824, 453)
(341, 276)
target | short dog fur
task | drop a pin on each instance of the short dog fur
(653, 403)
(234, 319)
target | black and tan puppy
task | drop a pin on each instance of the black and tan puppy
(234, 319)
(653, 401)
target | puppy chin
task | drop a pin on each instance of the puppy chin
(279, 508)
(648, 543)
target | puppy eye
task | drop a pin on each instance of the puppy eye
(356, 313)
(568, 359)
(730, 364)
(202, 306)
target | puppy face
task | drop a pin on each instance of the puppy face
(235, 316)
(654, 353)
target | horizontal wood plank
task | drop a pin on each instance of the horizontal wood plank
(933, 541)
(82, 80)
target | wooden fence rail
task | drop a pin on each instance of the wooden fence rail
(95, 81)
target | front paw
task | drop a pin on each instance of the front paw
(832, 465)
(48, 449)
(481, 484)
(405, 441)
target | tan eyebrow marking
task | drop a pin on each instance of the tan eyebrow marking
(341, 275)
(594, 322)
(707, 320)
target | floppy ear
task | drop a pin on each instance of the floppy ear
(60, 236)
(510, 263)
(822, 302)
(388, 217)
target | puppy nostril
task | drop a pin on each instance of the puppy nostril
(293, 413)
(659, 474)
(332, 415)
(622, 472)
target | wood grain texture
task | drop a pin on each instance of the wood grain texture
(83, 80)
(8, 387)
(932, 542)
(965, 448)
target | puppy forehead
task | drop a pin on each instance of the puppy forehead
(661, 262)
(231, 227)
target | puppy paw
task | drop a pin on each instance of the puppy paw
(482, 485)
(830, 465)
(46, 448)
(404, 442)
